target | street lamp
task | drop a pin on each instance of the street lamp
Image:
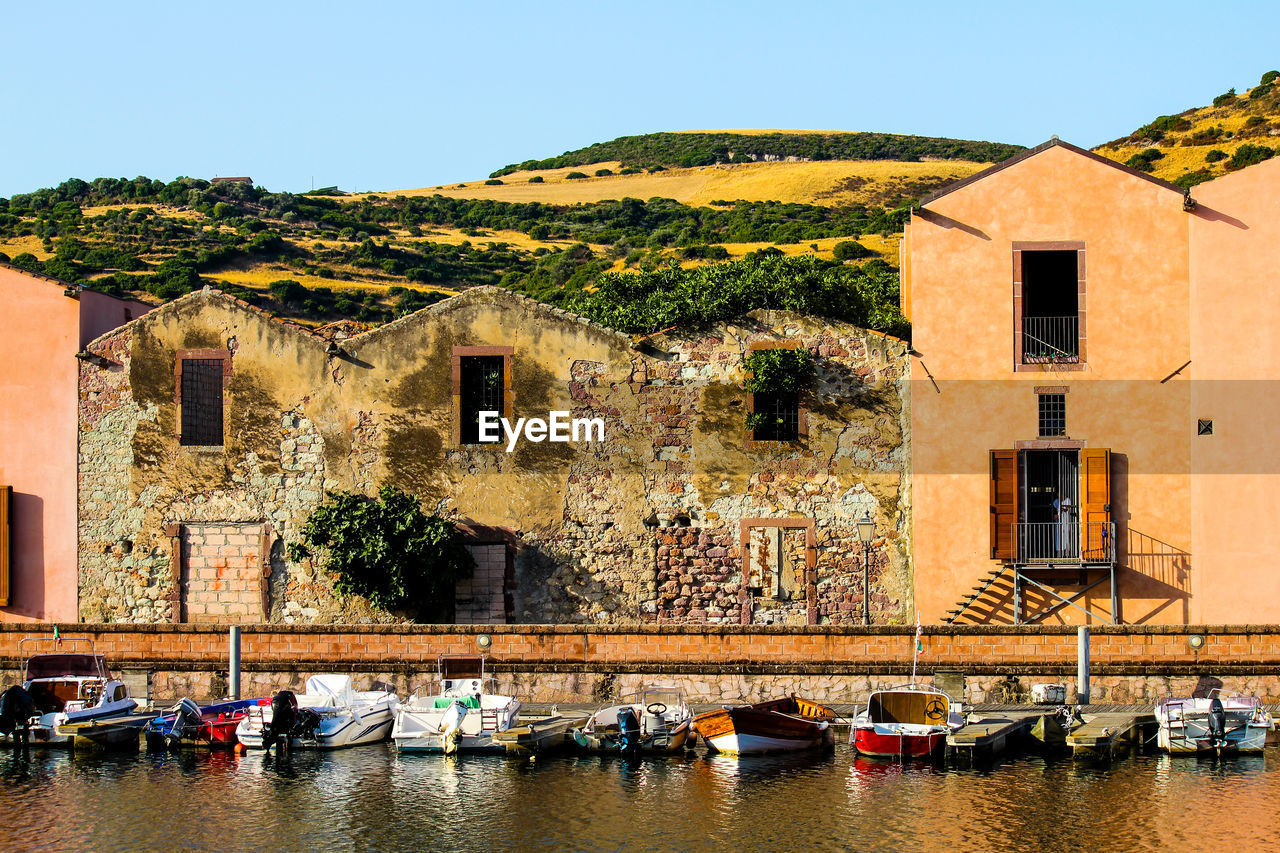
(866, 532)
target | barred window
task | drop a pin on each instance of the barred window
(1053, 415)
(480, 390)
(202, 402)
(777, 417)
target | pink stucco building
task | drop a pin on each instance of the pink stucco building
(1093, 426)
(47, 322)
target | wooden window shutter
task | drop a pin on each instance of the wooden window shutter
(1004, 502)
(6, 501)
(1095, 511)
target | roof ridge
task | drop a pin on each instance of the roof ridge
(1052, 142)
(481, 290)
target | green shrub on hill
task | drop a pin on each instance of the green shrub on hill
(656, 150)
(650, 301)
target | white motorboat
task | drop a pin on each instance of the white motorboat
(1214, 723)
(656, 720)
(68, 688)
(463, 717)
(329, 715)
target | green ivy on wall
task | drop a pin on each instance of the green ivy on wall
(388, 551)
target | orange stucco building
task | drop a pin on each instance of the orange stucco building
(47, 323)
(1092, 407)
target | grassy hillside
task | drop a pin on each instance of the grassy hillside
(371, 258)
(1199, 144)
(652, 151)
(830, 183)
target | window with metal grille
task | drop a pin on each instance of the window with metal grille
(1053, 415)
(1204, 426)
(480, 390)
(777, 417)
(202, 402)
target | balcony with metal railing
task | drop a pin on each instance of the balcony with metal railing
(1050, 340)
(1065, 543)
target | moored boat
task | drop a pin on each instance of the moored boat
(653, 721)
(329, 715)
(905, 722)
(70, 688)
(1213, 724)
(465, 716)
(778, 725)
(187, 724)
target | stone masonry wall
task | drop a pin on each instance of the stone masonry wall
(644, 527)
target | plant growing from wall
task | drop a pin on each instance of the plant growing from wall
(387, 550)
(777, 372)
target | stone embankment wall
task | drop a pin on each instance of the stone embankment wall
(650, 525)
(545, 663)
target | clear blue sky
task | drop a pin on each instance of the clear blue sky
(396, 95)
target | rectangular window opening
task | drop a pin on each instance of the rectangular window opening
(201, 402)
(1050, 307)
(1204, 426)
(777, 417)
(480, 390)
(1053, 415)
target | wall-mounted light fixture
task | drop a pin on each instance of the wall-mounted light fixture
(1196, 642)
(93, 358)
(484, 641)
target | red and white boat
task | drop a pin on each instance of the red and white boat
(905, 722)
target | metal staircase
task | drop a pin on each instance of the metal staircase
(990, 581)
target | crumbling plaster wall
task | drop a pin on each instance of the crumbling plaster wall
(642, 527)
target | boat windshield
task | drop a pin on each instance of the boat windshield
(668, 696)
(59, 665)
(918, 707)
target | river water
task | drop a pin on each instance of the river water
(370, 798)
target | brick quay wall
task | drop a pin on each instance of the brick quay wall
(570, 663)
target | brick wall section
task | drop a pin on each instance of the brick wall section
(221, 565)
(1138, 650)
(481, 599)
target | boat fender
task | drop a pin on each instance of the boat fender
(1217, 722)
(629, 723)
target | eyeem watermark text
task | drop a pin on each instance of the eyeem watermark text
(558, 426)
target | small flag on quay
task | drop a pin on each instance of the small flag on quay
(56, 636)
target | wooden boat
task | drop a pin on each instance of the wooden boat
(465, 716)
(68, 688)
(539, 736)
(187, 725)
(653, 721)
(329, 715)
(779, 725)
(1213, 724)
(905, 722)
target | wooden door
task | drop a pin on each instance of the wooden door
(1004, 503)
(6, 501)
(1095, 509)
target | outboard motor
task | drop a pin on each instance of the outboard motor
(307, 726)
(16, 710)
(1217, 723)
(451, 727)
(186, 722)
(284, 716)
(629, 723)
